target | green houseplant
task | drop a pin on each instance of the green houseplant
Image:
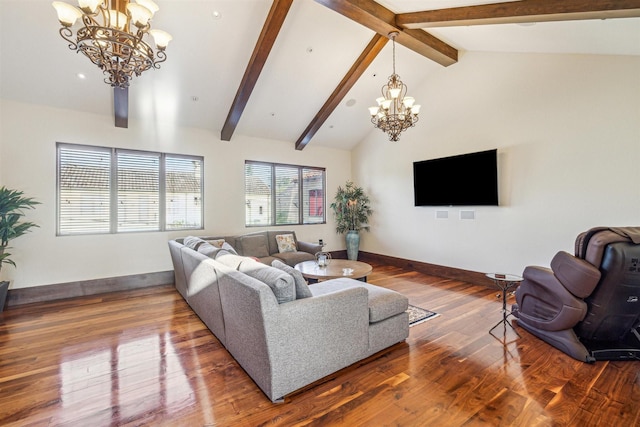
(351, 211)
(12, 205)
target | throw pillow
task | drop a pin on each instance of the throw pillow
(192, 242)
(212, 251)
(286, 243)
(228, 247)
(302, 289)
(216, 242)
(281, 283)
(209, 250)
(255, 245)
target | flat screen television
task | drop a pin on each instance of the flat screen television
(463, 180)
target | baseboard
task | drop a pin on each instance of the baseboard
(469, 276)
(99, 286)
(87, 287)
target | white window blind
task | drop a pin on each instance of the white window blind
(313, 196)
(138, 191)
(258, 182)
(183, 184)
(108, 190)
(277, 194)
(287, 195)
(84, 190)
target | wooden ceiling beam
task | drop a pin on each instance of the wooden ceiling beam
(523, 11)
(355, 72)
(121, 107)
(271, 28)
(383, 21)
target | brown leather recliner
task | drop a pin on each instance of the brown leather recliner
(587, 305)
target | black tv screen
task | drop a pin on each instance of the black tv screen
(464, 180)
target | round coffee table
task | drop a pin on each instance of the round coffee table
(336, 268)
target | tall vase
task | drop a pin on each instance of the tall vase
(4, 289)
(353, 243)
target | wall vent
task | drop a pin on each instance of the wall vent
(442, 214)
(467, 214)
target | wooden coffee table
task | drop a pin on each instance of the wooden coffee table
(312, 272)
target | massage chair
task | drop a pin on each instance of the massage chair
(587, 304)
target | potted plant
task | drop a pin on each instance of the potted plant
(351, 211)
(12, 204)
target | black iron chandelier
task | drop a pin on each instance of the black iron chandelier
(113, 35)
(395, 112)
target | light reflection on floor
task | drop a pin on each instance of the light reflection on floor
(135, 376)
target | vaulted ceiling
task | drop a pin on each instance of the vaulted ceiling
(302, 71)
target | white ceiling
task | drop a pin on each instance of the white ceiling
(315, 48)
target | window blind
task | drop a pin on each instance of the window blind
(108, 190)
(138, 191)
(287, 195)
(84, 189)
(183, 186)
(277, 194)
(258, 183)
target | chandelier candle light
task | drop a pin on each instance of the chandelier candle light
(112, 36)
(395, 112)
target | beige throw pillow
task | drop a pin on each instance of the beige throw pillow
(286, 243)
(216, 243)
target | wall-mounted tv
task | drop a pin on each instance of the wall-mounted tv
(464, 180)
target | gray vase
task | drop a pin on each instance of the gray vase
(353, 244)
(4, 288)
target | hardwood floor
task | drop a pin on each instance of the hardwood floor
(144, 358)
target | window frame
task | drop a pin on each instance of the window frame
(273, 222)
(113, 190)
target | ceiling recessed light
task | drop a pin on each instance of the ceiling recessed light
(216, 14)
(351, 102)
(81, 76)
(309, 49)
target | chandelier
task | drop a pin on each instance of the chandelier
(112, 36)
(395, 112)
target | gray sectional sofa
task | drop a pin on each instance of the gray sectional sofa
(264, 246)
(283, 333)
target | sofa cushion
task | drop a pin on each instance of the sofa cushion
(385, 303)
(255, 245)
(193, 242)
(281, 283)
(302, 289)
(293, 258)
(286, 243)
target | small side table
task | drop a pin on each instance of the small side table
(504, 282)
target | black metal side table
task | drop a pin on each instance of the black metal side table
(504, 282)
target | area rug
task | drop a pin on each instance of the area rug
(419, 315)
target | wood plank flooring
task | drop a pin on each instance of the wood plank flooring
(142, 357)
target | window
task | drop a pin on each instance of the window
(108, 190)
(278, 194)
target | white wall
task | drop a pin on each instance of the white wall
(28, 138)
(567, 130)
